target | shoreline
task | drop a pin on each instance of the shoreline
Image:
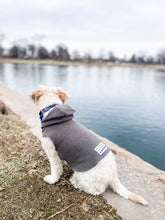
(12, 99)
(74, 63)
(136, 174)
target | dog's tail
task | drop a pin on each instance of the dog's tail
(117, 186)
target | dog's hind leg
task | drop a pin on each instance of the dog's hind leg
(54, 160)
(118, 187)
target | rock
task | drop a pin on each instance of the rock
(85, 207)
(34, 165)
(30, 172)
(100, 217)
(1, 189)
(58, 200)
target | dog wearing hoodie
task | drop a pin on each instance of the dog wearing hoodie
(65, 139)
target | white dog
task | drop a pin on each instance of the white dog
(92, 178)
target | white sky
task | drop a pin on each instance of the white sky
(122, 26)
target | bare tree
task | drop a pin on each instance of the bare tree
(53, 55)
(112, 57)
(1, 51)
(62, 53)
(150, 60)
(14, 52)
(161, 57)
(141, 59)
(19, 48)
(43, 53)
(2, 37)
(123, 59)
(87, 57)
(76, 56)
(37, 39)
(101, 57)
(133, 59)
(32, 49)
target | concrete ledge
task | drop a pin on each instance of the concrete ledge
(136, 174)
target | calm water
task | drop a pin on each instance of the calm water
(126, 105)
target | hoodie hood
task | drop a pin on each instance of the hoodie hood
(75, 144)
(59, 114)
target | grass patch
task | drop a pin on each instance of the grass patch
(24, 194)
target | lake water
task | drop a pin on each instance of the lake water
(125, 105)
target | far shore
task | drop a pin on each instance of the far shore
(74, 63)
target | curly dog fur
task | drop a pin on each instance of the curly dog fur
(94, 181)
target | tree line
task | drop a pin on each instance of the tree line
(22, 50)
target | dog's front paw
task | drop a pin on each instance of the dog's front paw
(50, 179)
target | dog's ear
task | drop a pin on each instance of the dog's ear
(62, 95)
(36, 94)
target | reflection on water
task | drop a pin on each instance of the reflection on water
(125, 105)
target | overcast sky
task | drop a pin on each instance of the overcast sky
(123, 26)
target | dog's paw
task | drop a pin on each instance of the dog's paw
(50, 179)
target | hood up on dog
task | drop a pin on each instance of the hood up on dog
(59, 114)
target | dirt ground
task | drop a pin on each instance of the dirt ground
(24, 194)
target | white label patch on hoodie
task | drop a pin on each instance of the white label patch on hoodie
(100, 148)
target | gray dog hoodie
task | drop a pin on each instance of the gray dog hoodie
(75, 144)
